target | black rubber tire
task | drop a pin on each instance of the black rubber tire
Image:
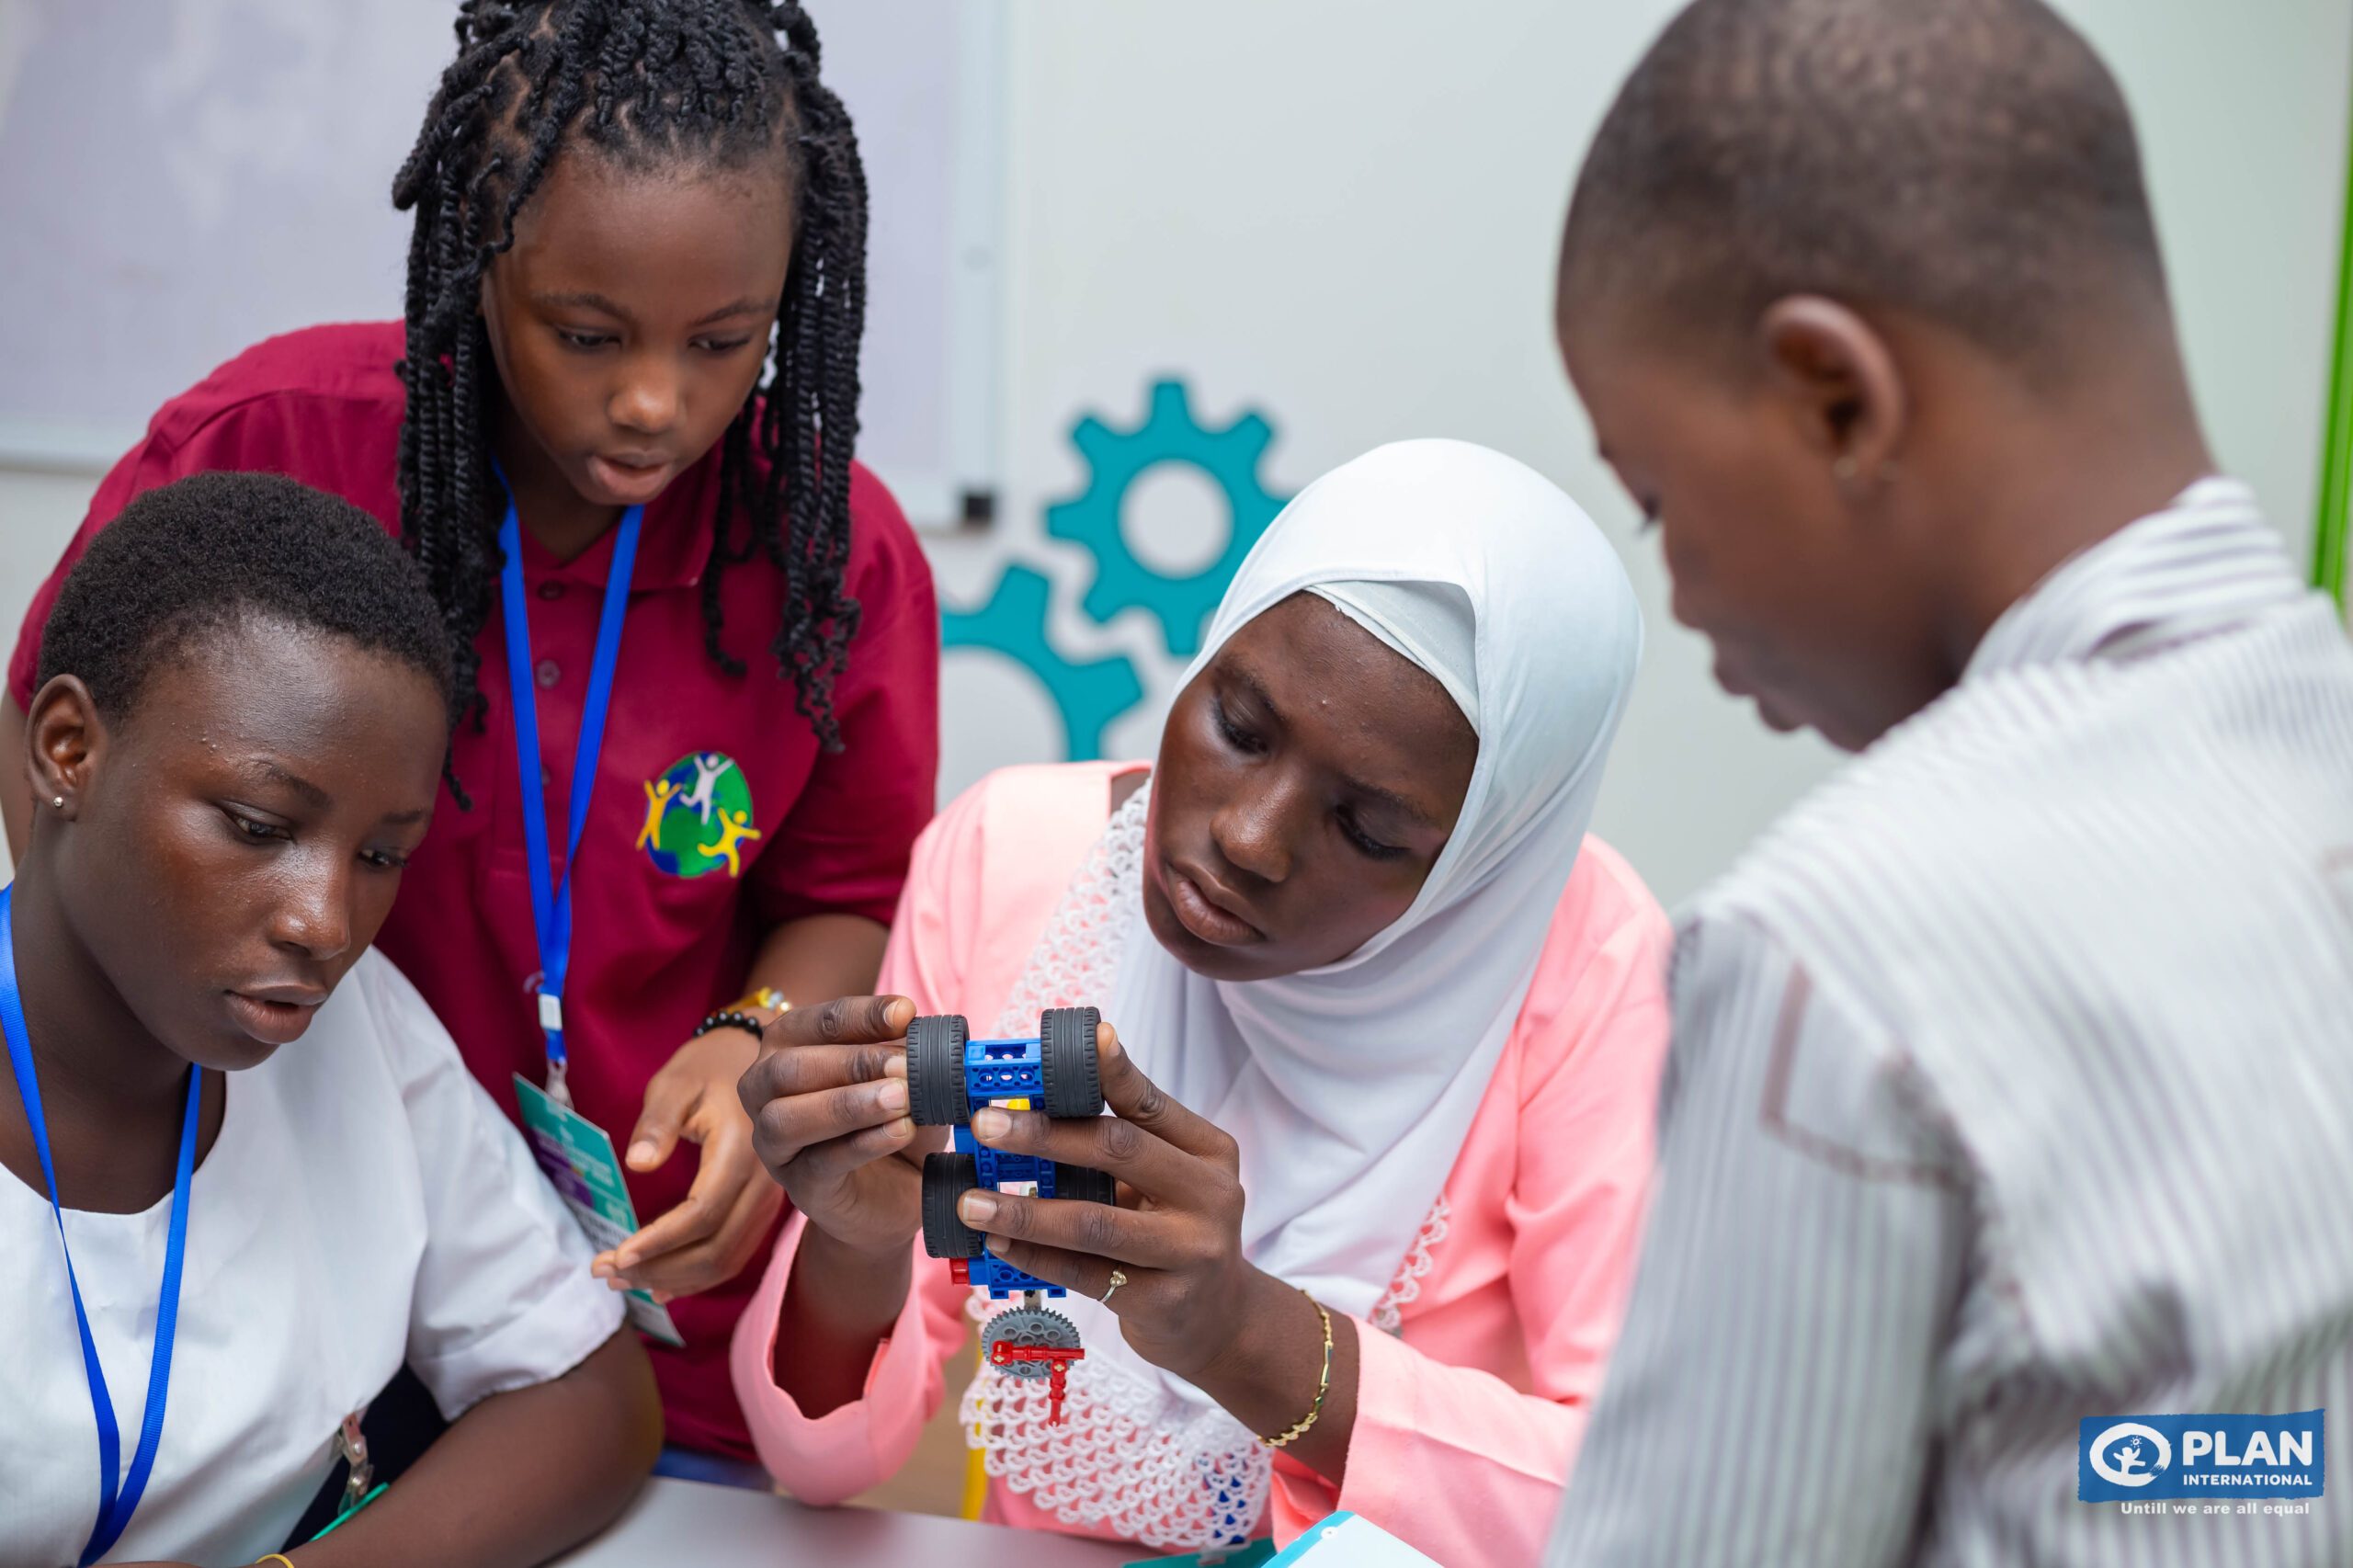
(946, 1178)
(1066, 1055)
(936, 1071)
(1083, 1183)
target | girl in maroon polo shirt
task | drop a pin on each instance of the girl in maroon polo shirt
(634, 303)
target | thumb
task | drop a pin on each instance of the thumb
(668, 1102)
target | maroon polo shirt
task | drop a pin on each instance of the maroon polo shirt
(674, 886)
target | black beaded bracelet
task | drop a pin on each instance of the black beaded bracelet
(729, 1018)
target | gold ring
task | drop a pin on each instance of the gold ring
(1119, 1277)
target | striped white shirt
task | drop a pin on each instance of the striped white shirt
(2012, 1085)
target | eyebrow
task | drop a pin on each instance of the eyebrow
(1391, 798)
(593, 301)
(1258, 693)
(311, 793)
(320, 800)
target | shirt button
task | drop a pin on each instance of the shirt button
(551, 591)
(549, 673)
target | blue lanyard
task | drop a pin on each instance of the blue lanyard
(551, 901)
(115, 1508)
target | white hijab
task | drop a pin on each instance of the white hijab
(1351, 1088)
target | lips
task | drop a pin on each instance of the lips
(630, 478)
(275, 1014)
(1204, 913)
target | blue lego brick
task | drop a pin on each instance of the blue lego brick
(1005, 1070)
(1001, 1279)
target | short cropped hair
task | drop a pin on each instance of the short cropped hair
(1971, 162)
(198, 557)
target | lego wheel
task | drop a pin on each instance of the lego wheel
(1066, 1053)
(936, 1071)
(946, 1178)
(1082, 1185)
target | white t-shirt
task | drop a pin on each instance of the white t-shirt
(366, 1203)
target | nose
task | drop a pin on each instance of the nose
(649, 399)
(1255, 829)
(314, 913)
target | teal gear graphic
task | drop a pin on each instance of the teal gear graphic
(1089, 694)
(1115, 461)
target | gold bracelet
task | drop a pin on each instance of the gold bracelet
(273, 1557)
(766, 996)
(1323, 1385)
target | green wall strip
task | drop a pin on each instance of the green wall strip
(2337, 452)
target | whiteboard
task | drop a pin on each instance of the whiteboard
(181, 178)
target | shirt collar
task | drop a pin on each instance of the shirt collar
(2206, 561)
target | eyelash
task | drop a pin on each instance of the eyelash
(1372, 848)
(253, 830)
(1236, 737)
(589, 342)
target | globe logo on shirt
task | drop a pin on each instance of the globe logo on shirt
(699, 817)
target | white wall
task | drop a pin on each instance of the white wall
(1342, 213)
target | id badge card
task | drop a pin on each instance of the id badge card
(578, 1159)
(1348, 1541)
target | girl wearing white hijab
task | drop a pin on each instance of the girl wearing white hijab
(1388, 1030)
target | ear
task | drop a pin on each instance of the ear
(65, 743)
(1841, 378)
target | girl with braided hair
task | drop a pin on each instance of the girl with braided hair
(626, 381)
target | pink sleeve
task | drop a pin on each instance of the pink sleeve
(844, 1452)
(848, 1450)
(1452, 1459)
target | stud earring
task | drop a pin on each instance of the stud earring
(57, 801)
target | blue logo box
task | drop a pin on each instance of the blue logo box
(2133, 1458)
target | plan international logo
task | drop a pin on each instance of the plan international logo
(2137, 1460)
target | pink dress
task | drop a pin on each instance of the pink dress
(1480, 1368)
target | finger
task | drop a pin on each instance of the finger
(1075, 1272)
(670, 1098)
(1130, 1153)
(783, 1128)
(717, 1258)
(1097, 1229)
(780, 1074)
(727, 1168)
(821, 1165)
(845, 1021)
(1137, 1098)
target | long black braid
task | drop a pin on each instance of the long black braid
(649, 83)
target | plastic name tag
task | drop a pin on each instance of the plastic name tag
(1348, 1541)
(578, 1159)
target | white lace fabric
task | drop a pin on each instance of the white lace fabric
(1407, 1286)
(1126, 1458)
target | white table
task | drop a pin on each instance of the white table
(717, 1526)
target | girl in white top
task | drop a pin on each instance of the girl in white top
(248, 1140)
